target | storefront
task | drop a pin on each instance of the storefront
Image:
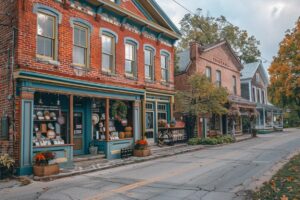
(67, 117)
(269, 118)
(158, 114)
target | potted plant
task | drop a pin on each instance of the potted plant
(93, 148)
(6, 166)
(119, 112)
(162, 123)
(141, 149)
(43, 165)
(173, 123)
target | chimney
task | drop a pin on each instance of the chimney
(194, 50)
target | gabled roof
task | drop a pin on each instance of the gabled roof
(184, 56)
(251, 68)
(155, 18)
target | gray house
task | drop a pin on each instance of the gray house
(254, 87)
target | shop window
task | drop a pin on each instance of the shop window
(162, 111)
(108, 52)
(149, 106)
(149, 63)
(214, 122)
(164, 64)
(208, 73)
(80, 45)
(218, 78)
(46, 35)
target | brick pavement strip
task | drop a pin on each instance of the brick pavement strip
(160, 153)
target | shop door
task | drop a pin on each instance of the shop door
(150, 127)
(78, 133)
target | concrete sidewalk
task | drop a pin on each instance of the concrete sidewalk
(157, 152)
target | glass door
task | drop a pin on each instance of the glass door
(78, 133)
(150, 126)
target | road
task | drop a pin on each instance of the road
(222, 172)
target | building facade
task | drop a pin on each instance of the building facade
(254, 84)
(219, 64)
(77, 73)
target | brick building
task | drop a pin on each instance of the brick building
(75, 68)
(220, 65)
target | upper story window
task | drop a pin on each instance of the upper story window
(258, 96)
(263, 97)
(218, 78)
(208, 73)
(46, 35)
(234, 85)
(149, 63)
(131, 58)
(164, 65)
(253, 94)
(108, 52)
(257, 77)
(80, 45)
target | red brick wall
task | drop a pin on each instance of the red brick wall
(27, 49)
(212, 59)
(6, 38)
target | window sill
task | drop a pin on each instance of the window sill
(149, 81)
(131, 77)
(48, 61)
(164, 83)
(86, 69)
(108, 73)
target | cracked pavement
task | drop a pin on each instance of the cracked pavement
(224, 172)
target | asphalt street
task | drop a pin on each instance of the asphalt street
(218, 173)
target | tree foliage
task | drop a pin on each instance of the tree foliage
(284, 72)
(202, 97)
(208, 30)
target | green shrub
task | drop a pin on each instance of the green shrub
(194, 141)
(211, 141)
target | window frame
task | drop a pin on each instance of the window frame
(86, 28)
(53, 39)
(167, 55)
(135, 44)
(113, 55)
(210, 74)
(234, 85)
(152, 64)
(219, 82)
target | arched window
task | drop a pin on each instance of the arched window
(81, 42)
(109, 39)
(47, 31)
(131, 48)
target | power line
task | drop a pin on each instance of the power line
(185, 8)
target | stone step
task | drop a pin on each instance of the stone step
(156, 148)
(88, 158)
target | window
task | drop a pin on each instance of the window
(258, 96)
(80, 45)
(234, 85)
(130, 58)
(208, 73)
(162, 111)
(263, 97)
(218, 77)
(149, 63)
(257, 77)
(108, 53)
(46, 35)
(164, 63)
(253, 95)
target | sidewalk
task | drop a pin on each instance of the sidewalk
(157, 152)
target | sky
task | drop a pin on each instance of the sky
(267, 20)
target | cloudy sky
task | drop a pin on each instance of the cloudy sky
(267, 20)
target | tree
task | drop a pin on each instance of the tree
(207, 30)
(201, 98)
(284, 90)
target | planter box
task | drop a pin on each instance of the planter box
(141, 153)
(5, 173)
(47, 170)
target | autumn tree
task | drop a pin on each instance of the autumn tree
(201, 98)
(208, 30)
(284, 72)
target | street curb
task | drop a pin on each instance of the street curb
(130, 162)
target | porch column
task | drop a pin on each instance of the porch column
(172, 107)
(107, 119)
(264, 117)
(272, 118)
(137, 120)
(143, 117)
(71, 119)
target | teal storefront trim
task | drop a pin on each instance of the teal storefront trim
(112, 149)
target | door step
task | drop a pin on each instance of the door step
(88, 158)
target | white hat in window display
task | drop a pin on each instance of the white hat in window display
(51, 134)
(95, 118)
(53, 115)
(50, 126)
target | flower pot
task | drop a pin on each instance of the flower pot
(93, 150)
(5, 173)
(128, 134)
(46, 170)
(141, 153)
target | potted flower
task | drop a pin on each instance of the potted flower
(162, 123)
(6, 166)
(43, 165)
(173, 123)
(93, 148)
(141, 149)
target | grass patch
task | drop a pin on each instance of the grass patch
(211, 141)
(286, 183)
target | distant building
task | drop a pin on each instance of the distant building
(254, 87)
(220, 65)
